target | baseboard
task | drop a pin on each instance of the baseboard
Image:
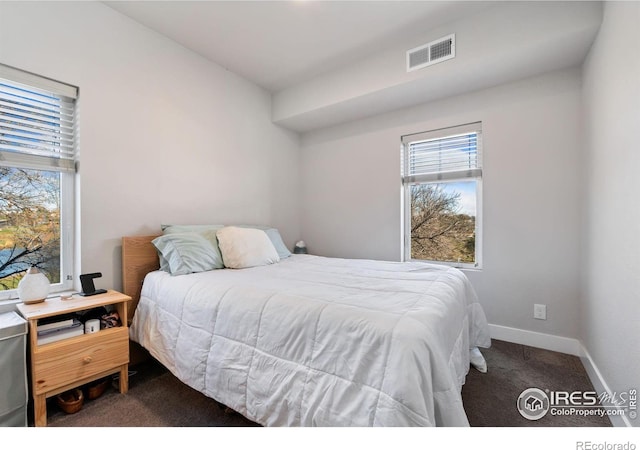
(534, 339)
(600, 385)
(563, 345)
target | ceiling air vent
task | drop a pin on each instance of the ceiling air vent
(431, 53)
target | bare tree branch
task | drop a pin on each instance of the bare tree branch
(29, 222)
(438, 230)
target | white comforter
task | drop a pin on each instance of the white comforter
(313, 341)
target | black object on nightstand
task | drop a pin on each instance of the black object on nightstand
(88, 288)
(300, 248)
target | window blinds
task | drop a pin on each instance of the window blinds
(37, 122)
(445, 154)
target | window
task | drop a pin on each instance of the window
(37, 169)
(442, 183)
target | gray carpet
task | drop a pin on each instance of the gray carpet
(157, 399)
(490, 398)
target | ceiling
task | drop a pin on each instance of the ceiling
(334, 61)
(277, 44)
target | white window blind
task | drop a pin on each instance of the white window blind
(445, 154)
(37, 122)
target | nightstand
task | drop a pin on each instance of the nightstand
(68, 363)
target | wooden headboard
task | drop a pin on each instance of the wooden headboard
(139, 257)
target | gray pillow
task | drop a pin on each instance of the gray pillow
(187, 252)
(183, 228)
(208, 231)
(276, 240)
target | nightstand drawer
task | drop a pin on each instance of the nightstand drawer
(63, 362)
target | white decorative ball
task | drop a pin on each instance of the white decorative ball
(34, 286)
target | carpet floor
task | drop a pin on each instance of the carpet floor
(157, 399)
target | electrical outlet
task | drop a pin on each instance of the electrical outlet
(540, 312)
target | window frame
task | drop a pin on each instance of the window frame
(65, 167)
(408, 181)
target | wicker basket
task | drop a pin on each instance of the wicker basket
(97, 388)
(71, 401)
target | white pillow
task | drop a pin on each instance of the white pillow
(245, 247)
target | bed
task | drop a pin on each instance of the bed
(310, 340)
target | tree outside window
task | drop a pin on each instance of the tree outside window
(29, 224)
(442, 229)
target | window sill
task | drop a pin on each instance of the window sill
(464, 267)
(11, 299)
(471, 269)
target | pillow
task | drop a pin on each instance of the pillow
(185, 253)
(207, 231)
(183, 228)
(246, 247)
(276, 239)
(164, 264)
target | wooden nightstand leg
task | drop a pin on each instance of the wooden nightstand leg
(124, 379)
(40, 410)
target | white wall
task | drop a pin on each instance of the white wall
(532, 219)
(165, 136)
(610, 314)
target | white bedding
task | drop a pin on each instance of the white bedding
(313, 341)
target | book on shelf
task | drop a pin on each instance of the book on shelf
(64, 333)
(58, 326)
(55, 325)
(54, 322)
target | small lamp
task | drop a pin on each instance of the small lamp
(300, 248)
(34, 286)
